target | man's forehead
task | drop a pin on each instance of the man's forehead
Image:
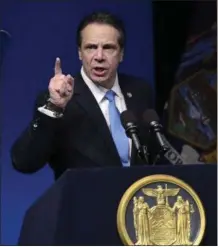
(100, 31)
(100, 27)
(99, 42)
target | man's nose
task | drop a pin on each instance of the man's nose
(99, 56)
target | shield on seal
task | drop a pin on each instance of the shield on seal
(162, 224)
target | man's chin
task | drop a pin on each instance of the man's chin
(102, 81)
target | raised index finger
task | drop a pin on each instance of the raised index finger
(57, 69)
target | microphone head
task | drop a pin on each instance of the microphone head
(149, 116)
(127, 117)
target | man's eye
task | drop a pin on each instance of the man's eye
(109, 47)
(91, 47)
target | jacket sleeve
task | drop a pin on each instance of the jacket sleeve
(35, 146)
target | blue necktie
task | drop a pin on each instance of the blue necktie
(117, 130)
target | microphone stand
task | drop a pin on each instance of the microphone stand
(157, 157)
(162, 141)
(143, 154)
(161, 152)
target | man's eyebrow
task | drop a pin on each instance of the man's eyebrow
(90, 43)
(110, 44)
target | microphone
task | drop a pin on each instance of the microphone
(128, 121)
(151, 119)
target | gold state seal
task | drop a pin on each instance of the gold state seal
(160, 210)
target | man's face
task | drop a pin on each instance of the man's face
(100, 53)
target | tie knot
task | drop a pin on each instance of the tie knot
(110, 95)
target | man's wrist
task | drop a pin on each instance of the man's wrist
(52, 107)
(51, 110)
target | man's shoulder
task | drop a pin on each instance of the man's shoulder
(139, 86)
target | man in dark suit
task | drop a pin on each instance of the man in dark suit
(76, 123)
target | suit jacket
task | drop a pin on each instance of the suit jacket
(81, 138)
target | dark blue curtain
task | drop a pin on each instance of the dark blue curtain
(40, 31)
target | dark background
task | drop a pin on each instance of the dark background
(174, 22)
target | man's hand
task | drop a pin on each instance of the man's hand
(60, 86)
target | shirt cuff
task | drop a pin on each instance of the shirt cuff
(49, 113)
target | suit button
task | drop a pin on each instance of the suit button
(35, 125)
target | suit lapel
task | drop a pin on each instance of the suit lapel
(132, 101)
(131, 95)
(85, 98)
(102, 135)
